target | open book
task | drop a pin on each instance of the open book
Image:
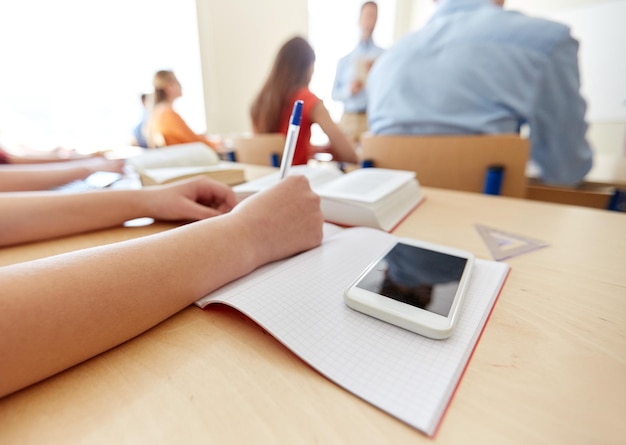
(300, 302)
(370, 197)
(175, 162)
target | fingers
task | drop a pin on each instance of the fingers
(301, 224)
(191, 199)
(193, 211)
(214, 194)
(285, 219)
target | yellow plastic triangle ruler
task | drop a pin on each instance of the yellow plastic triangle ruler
(503, 245)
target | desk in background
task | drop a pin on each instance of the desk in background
(600, 185)
(550, 366)
(607, 170)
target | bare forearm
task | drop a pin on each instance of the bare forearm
(109, 295)
(342, 148)
(59, 311)
(31, 216)
(38, 158)
(39, 177)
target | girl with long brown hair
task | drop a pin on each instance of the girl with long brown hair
(287, 82)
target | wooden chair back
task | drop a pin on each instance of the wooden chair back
(453, 162)
(259, 149)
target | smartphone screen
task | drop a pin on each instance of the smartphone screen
(416, 276)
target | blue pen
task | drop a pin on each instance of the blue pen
(292, 138)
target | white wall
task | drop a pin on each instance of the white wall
(238, 42)
(412, 14)
(598, 26)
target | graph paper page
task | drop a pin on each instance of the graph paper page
(300, 302)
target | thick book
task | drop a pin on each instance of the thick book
(299, 301)
(371, 197)
(176, 162)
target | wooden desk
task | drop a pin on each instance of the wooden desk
(607, 171)
(550, 367)
(607, 174)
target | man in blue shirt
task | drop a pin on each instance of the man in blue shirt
(475, 68)
(352, 71)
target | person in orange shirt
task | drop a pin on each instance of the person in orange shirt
(289, 81)
(166, 126)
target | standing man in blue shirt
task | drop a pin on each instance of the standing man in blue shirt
(475, 68)
(352, 71)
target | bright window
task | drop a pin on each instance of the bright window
(73, 71)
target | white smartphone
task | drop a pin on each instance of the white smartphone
(416, 285)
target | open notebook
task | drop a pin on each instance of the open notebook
(300, 302)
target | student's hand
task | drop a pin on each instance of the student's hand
(283, 220)
(356, 87)
(189, 200)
